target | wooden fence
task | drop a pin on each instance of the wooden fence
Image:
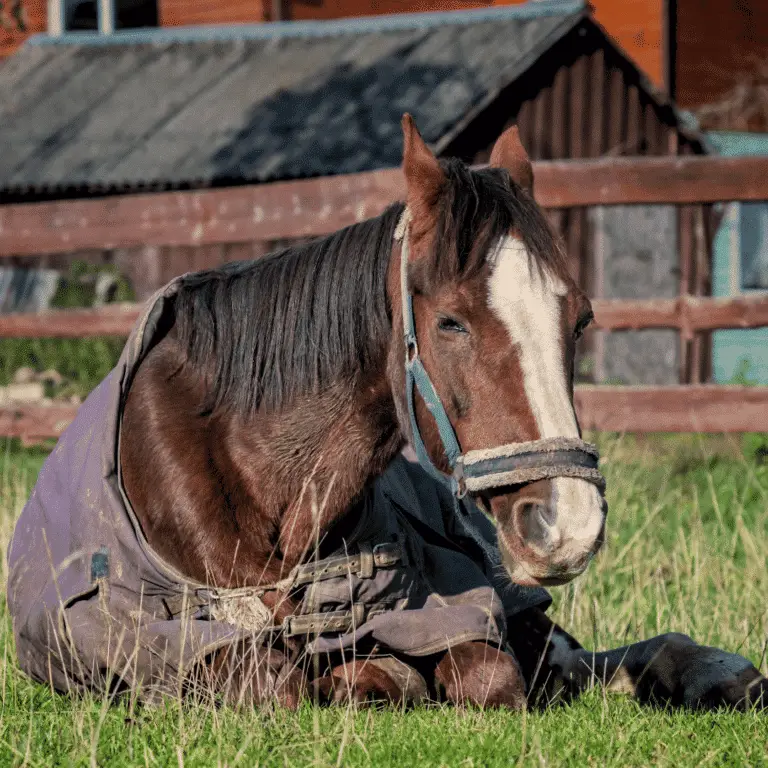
(312, 207)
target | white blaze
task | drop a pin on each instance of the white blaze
(527, 300)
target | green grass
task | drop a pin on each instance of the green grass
(686, 551)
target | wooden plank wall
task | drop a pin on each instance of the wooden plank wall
(591, 105)
(174, 13)
(638, 27)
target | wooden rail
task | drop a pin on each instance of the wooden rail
(285, 210)
(693, 408)
(109, 320)
(686, 313)
(688, 408)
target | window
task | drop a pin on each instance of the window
(83, 15)
(80, 15)
(753, 246)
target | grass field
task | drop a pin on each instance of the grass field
(687, 547)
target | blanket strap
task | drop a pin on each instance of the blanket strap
(244, 608)
(330, 621)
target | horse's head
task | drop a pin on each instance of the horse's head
(496, 318)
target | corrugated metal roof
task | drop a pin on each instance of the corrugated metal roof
(223, 105)
(249, 104)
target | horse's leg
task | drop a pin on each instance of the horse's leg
(670, 668)
(480, 674)
(245, 674)
(367, 680)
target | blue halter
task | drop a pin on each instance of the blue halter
(416, 375)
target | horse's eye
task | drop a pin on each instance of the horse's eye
(582, 325)
(451, 325)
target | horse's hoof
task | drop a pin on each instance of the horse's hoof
(742, 691)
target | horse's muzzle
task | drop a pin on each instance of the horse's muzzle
(549, 536)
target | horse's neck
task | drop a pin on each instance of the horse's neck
(318, 456)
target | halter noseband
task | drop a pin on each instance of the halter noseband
(510, 464)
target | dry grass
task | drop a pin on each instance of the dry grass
(687, 547)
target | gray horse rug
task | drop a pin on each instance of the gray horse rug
(93, 607)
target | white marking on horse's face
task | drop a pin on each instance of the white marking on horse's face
(528, 302)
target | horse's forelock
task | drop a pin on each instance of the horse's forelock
(476, 211)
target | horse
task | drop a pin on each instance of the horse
(293, 367)
(276, 394)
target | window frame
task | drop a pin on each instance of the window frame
(733, 220)
(106, 18)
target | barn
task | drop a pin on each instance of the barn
(95, 116)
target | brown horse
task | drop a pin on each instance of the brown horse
(289, 369)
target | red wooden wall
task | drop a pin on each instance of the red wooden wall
(719, 45)
(637, 25)
(35, 12)
(181, 13)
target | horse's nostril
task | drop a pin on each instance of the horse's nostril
(547, 514)
(534, 521)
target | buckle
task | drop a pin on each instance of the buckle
(367, 561)
(387, 554)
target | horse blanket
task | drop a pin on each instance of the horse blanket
(94, 607)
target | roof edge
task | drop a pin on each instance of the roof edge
(298, 29)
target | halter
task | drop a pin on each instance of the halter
(509, 464)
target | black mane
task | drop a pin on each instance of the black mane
(300, 319)
(292, 322)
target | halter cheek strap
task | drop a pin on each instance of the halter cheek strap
(417, 376)
(510, 464)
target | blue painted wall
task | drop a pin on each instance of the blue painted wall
(732, 348)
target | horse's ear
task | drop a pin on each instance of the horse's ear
(508, 153)
(424, 178)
